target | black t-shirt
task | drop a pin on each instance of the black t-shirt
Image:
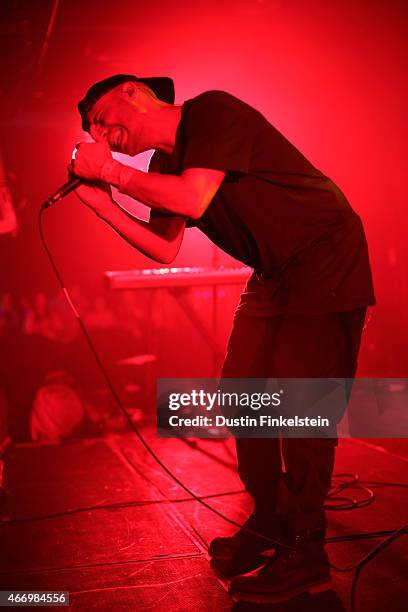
(274, 211)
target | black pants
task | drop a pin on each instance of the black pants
(291, 346)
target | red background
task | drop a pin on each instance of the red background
(330, 75)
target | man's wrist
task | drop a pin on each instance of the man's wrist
(110, 172)
(117, 174)
(126, 174)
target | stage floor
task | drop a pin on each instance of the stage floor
(103, 529)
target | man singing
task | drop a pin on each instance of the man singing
(219, 165)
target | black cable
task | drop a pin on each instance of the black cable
(363, 562)
(125, 411)
(63, 568)
(134, 503)
(347, 503)
(359, 565)
(113, 506)
(360, 535)
(395, 534)
(340, 503)
(42, 517)
(377, 485)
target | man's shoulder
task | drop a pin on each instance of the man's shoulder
(214, 99)
(215, 94)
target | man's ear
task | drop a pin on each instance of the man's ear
(130, 89)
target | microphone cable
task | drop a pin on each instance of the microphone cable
(125, 412)
(357, 567)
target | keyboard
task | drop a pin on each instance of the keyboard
(176, 277)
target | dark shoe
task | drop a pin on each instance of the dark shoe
(241, 562)
(225, 547)
(242, 552)
(287, 574)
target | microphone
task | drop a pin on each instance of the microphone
(63, 191)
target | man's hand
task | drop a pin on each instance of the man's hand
(89, 160)
(97, 196)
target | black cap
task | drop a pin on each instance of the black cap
(163, 87)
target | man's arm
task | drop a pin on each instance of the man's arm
(188, 195)
(160, 239)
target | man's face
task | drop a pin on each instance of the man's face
(117, 118)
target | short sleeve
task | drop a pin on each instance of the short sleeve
(218, 133)
(157, 163)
